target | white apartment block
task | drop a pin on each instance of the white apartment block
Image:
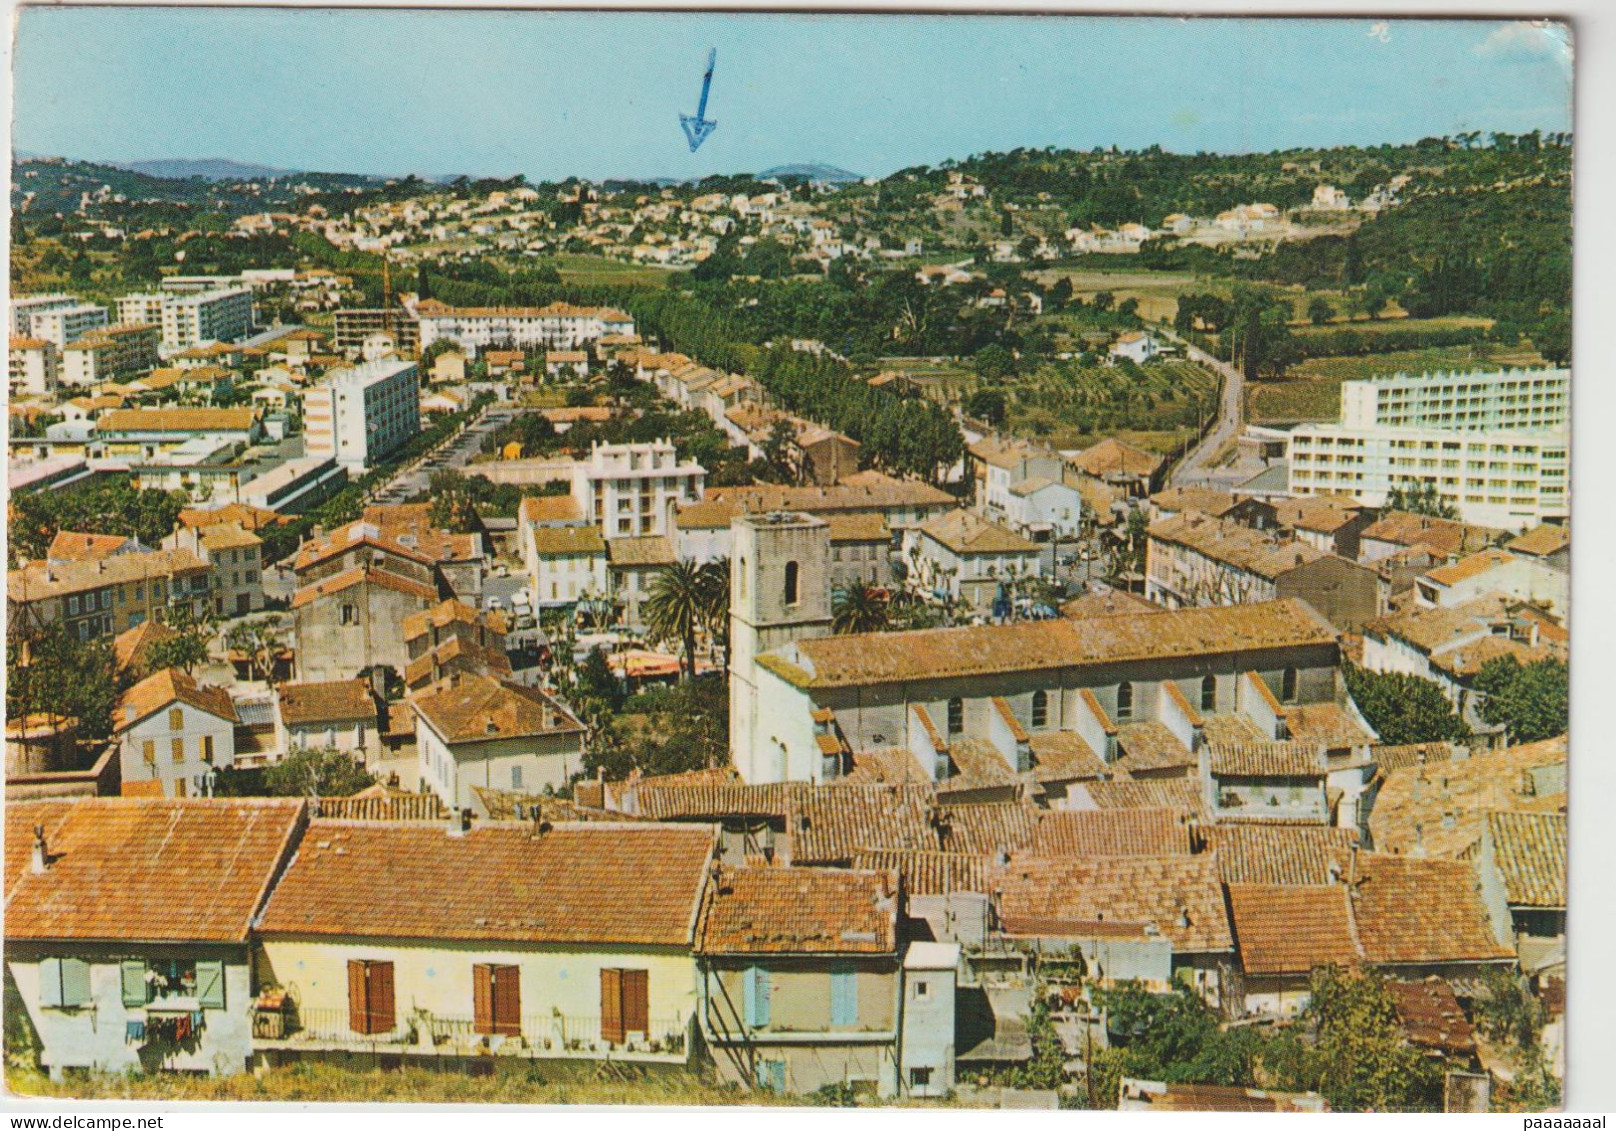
(211, 316)
(629, 490)
(35, 367)
(63, 324)
(112, 352)
(1501, 400)
(359, 415)
(23, 309)
(141, 308)
(557, 326)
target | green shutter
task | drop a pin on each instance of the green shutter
(132, 971)
(843, 996)
(75, 981)
(210, 984)
(756, 987)
(50, 983)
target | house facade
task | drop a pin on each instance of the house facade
(173, 734)
(473, 730)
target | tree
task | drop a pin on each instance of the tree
(184, 651)
(987, 405)
(994, 362)
(259, 640)
(1530, 702)
(1319, 311)
(1403, 708)
(858, 610)
(1176, 1037)
(1103, 301)
(713, 579)
(595, 681)
(1420, 497)
(317, 772)
(51, 671)
(676, 607)
(109, 505)
(777, 448)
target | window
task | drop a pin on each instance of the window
(207, 748)
(625, 1003)
(1287, 685)
(1124, 700)
(171, 977)
(920, 1077)
(496, 999)
(370, 996)
(348, 614)
(742, 579)
(176, 748)
(1209, 693)
(516, 777)
(148, 751)
(176, 719)
(922, 989)
(956, 717)
(843, 996)
(64, 983)
(792, 594)
(1040, 709)
(755, 994)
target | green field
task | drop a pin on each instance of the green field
(1312, 390)
(595, 270)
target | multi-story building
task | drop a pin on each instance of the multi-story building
(630, 490)
(961, 556)
(100, 597)
(35, 367)
(211, 316)
(557, 326)
(235, 556)
(63, 324)
(24, 307)
(1493, 444)
(174, 733)
(109, 353)
(353, 326)
(141, 308)
(358, 415)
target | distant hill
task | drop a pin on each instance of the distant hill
(208, 168)
(821, 174)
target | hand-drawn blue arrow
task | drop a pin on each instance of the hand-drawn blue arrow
(698, 129)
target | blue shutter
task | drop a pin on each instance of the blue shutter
(843, 996)
(756, 993)
(50, 983)
(75, 981)
(210, 984)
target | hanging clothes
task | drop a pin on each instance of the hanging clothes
(182, 1027)
(135, 1032)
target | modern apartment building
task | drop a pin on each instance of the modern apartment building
(354, 326)
(359, 415)
(629, 490)
(63, 324)
(210, 316)
(1511, 400)
(35, 367)
(24, 307)
(114, 351)
(557, 326)
(141, 308)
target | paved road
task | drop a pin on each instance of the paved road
(456, 452)
(1196, 467)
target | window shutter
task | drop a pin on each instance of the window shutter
(358, 1015)
(757, 992)
(611, 1006)
(381, 996)
(75, 981)
(637, 1001)
(482, 998)
(843, 996)
(132, 973)
(210, 984)
(50, 983)
(508, 1000)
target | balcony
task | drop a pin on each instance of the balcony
(419, 1032)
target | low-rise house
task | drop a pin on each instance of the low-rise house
(1134, 345)
(632, 564)
(801, 978)
(1522, 865)
(860, 551)
(963, 557)
(473, 730)
(173, 733)
(128, 924)
(454, 637)
(526, 939)
(336, 715)
(1402, 530)
(822, 456)
(1523, 579)
(562, 363)
(101, 596)
(566, 564)
(1333, 525)
(1550, 545)
(1119, 464)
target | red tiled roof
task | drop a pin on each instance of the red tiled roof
(171, 685)
(1291, 929)
(1111, 832)
(800, 911)
(1178, 897)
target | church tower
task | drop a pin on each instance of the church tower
(779, 591)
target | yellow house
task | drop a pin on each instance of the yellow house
(509, 939)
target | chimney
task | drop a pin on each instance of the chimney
(459, 822)
(41, 857)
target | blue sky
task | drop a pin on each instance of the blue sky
(598, 95)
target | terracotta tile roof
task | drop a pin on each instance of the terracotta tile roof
(1467, 660)
(573, 541)
(1149, 745)
(1291, 929)
(988, 828)
(22, 817)
(1389, 759)
(1421, 911)
(1530, 852)
(626, 883)
(897, 657)
(1319, 515)
(131, 647)
(439, 661)
(339, 700)
(38, 581)
(1063, 755)
(146, 870)
(1325, 724)
(865, 490)
(352, 536)
(1260, 553)
(623, 794)
(171, 685)
(965, 532)
(445, 613)
(1267, 760)
(512, 805)
(177, 420)
(379, 803)
(1114, 457)
(832, 824)
(977, 762)
(1442, 535)
(1154, 1096)
(1440, 808)
(926, 872)
(69, 546)
(1180, 794)
(1178, 897)
(1431, 1016)
(857, 526)
(890, 766)
(1009, 452)
(1473, 566)
(227, 536)
(800, 911)
(1109, 603)
(645, 552)
(713, 801)
(1111, 832)
(1541, 541)
(476, 708)
(1278, 855)
(347, 579)
(549, 508)
(1433, 630)
(28, 343)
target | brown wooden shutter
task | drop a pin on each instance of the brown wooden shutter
(611, 1006)
(508, 1000)
(637, 1001)
(358, 1015)
(381, 997)
(482, 998)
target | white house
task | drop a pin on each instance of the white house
(472, 730)
(1135, 345)
(172, 734)
(964, 557)
(1493, 571)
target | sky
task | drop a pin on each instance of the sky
(598, 95)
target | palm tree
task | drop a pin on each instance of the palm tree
(859, 610)
(677, 605)
(715, 603)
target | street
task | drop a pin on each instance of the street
(454, 454)
(1195, 466)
